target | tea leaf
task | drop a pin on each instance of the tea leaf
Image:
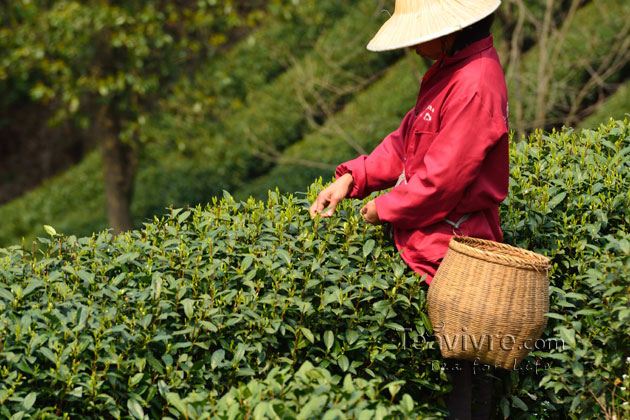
(29, 400)
(50, 230)
(176, 402)
(368, 247)
(308, 334)
(135, 409)
(329, 339)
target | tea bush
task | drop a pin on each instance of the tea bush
(246, 309)
(116, 326)
(569, 195)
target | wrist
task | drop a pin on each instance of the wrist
(348, 180)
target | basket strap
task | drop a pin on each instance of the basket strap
(459, 222)
(401, 179)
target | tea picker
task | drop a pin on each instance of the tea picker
(448, 169)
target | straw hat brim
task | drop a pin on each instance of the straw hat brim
(432, 20)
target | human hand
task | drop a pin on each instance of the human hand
(330, 196)
(369, 213)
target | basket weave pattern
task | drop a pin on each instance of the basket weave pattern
(487, 301)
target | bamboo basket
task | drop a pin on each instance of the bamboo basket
(488, 300)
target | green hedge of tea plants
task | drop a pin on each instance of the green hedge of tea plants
(569, 192)
(201, 301)
(246, 309)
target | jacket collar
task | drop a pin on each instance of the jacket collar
(474, 48)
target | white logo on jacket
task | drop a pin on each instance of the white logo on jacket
(427, 114)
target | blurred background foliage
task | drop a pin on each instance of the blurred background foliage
(112, 111)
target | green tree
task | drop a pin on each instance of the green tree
(103, 65)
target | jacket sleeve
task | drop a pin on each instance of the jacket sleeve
(381, 169)
(452, 162)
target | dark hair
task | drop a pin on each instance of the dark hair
(473, 33)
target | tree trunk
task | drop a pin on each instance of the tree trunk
(119, 170)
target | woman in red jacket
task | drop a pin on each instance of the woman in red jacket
(448, 161)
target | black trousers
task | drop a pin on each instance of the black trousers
(471, 396)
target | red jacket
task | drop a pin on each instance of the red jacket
(453, 148)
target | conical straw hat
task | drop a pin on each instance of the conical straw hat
(417, 21)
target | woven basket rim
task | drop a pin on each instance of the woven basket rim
(500, 253)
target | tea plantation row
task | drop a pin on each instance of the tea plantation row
(584, 49)
(253, 310)
(195, 303)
